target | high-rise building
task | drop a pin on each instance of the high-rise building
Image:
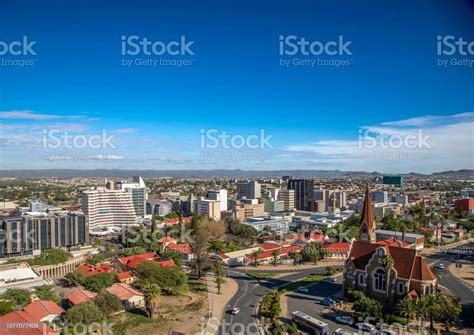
(304, 194)
(337, 199)
(158, 207)
(243, 211)
(273, 206)
(219, 195)
(288, 198)
(379, 196)
(208, 207)
(393, 180)
(139, 194)
(37, 206)
(191, 206)
(31, 234)
(248, 190)
(103, 207)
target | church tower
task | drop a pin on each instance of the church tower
(367, 223)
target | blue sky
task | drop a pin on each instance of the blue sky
(236, 84)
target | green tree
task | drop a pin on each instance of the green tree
(171, 280)
(108, 303)
(99, 281)
(407, 308)
(46, 292)
(312, 252)
(275, 255)
(5, 307)
(218, 276)
(18, 296)
(86, 312)
(387, 263)
(255, 255)
(151, 293)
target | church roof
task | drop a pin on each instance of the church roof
(367, 211)
(405, 261)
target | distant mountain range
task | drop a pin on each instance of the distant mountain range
(114, 173)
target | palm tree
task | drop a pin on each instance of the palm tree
(407, 308)
(255, 255)
(387, 263)
(151, 292)
(431, 305)
(275, 257)
(219, 276)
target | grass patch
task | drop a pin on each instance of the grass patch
(304, 282)
(260, 275)
(129, 320)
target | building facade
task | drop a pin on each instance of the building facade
(103, 207)
(288, 198)
(304, 194)
(31, 234)
(365, 269)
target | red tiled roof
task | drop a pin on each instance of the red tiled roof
(133, 261)
(421, 270)
(271, 246)
(40, 309)
(337, 247)
(183, 248)
(223, 256)
(404, 259)
(315, 237)
(31, 325)
(413, 294)
(90, 270)
(167, 263)
(80, 296)
(124, 275)
(123, 291)
(167, 239)
(393, 242)
(280, 251)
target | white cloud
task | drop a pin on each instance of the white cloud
(31, 115)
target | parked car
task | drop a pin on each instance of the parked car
(386, 332)
(329, 280)
(328, 302)
(235, 311)
(303, 289)
(340, 331)
(440, 266)
(347, 320)
(366, 327)
(336, 298)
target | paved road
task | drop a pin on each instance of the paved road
(247, 296)
(454, 285)
(310, 304)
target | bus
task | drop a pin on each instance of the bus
(317, 327)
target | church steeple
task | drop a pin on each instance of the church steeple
(367, 223)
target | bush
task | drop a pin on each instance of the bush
(86, 312)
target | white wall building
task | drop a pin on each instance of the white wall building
(103, 207)
(219, 195)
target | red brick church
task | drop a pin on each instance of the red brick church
(364, 269)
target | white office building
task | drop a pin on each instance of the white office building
(103, 207)
(138, 191)
(208, 207)
(219, 195)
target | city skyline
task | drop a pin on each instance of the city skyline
(392, 85)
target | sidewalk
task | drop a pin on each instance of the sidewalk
(465, 274)
(218, 302)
